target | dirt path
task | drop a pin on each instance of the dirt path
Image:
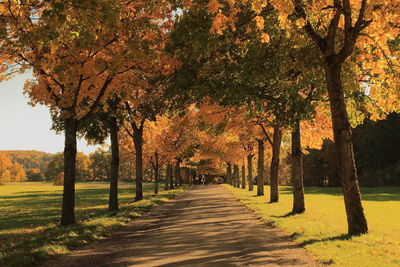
(205, 226)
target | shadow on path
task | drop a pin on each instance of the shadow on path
(205, 226)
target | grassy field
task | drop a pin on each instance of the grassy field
(30, 213)
(322, 229)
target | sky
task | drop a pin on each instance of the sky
(23, 127)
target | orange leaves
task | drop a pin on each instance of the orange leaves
(213, 6)
(314, 132)
(219, 24)
(78, 54)
(221, 21)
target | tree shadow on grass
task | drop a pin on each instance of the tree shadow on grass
(26, 247)
(334, 238)
(289, 214)
(368, 193)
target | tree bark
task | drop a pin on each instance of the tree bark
(166, 183)
(274, 170)
(250, 171)
(260, 168)
(156, 172)
(170, 177)
(187, 175)
(297, 171)
(357, 223)
(243, 176)
(138, 142)
(70, 150)
(178, 180)
(236, 175)
(190, 182)
(113, 199)
(229, 173)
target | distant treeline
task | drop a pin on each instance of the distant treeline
(22, 165)
(28, 165)
(377, 154)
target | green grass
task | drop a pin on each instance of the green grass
(30, 213)
(322, 228)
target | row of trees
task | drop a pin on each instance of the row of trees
(149, 73)
(329, 55)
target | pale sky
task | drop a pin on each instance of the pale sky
(23, 127)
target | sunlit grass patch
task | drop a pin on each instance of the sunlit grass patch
(322, 228)
(30, 213)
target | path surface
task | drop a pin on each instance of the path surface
(205, 226)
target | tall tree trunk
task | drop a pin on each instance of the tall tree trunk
(357, 223)
(156, 173)
(229, 173)
(113, 199)
(187, 175)
(274, 171)
(190, 182)
(170, 177)
(243, 176)
(180, 179)
(260, 168)
(236, 175)
(166, 183)
(68, 204)
(177, 173)
(138, 142)
(250, 171)
(297, 171)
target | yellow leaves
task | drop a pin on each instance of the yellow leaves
(301, 23)
(265, 37)
(259, 22)
(75, 34)
(258, 5)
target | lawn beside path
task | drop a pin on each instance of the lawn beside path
(322, 228)
(30, 213)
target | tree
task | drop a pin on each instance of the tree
(75, 74)
(250, 171)
(243, 176)
(85, 47)
(156, 167)
(260, 168)
(100, 164)
(18, 173)
(146, 99)
(366, 28)
(34, 175)
(104, 124)
(56, 166)
(5, 166)
(297, 171)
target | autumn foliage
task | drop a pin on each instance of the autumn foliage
(204, 87)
